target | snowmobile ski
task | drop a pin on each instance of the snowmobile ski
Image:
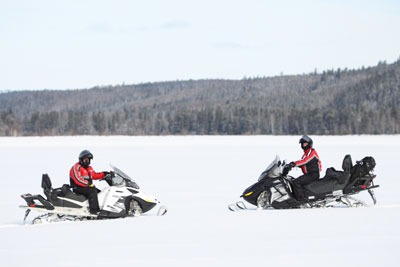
(162, 211)
(239, 205)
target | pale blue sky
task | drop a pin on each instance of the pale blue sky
(69, 44)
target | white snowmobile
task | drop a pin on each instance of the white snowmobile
(274, 187)
(122, 198)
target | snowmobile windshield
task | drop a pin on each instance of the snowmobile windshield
(122, 179)
(273, 170)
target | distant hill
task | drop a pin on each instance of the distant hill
(363, 101)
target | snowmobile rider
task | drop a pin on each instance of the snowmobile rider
(310, 164)
(81, 180)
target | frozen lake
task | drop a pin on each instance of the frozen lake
(196, 177)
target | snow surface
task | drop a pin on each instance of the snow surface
(197, 177)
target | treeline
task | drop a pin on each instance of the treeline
(238, 121)
(334, 102)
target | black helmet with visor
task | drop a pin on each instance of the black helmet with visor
(85, 154)
(308, 140)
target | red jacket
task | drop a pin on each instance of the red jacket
(309, 162)
(79, 176)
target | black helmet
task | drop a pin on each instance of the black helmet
(306, 139)
(85, 154)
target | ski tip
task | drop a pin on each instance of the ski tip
(241, 205)
(232, 207)
(162, 211)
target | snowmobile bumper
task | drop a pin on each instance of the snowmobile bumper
(32, 201)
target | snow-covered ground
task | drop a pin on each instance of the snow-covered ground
(197, 177)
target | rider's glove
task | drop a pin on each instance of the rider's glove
(109, 174)
(288, 167)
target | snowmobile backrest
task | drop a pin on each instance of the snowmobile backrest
(46, 182)
(347, 163)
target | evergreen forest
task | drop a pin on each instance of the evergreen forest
(334, 102)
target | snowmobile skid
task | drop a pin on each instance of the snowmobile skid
(274, 187)
(123, 198)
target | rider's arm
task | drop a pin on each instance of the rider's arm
(310, 156)
(95, 175)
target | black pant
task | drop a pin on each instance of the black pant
(91, 194)
(302, 181)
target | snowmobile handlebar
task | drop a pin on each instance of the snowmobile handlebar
(289, 178)
(286, 169)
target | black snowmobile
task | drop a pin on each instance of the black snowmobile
(274, 187)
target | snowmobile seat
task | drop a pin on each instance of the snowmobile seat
(321, 187)
(62, 191)
(65, 192)
(333, 180)
(332, 174)
(65, 189)
(340, 176)
(72, 195)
